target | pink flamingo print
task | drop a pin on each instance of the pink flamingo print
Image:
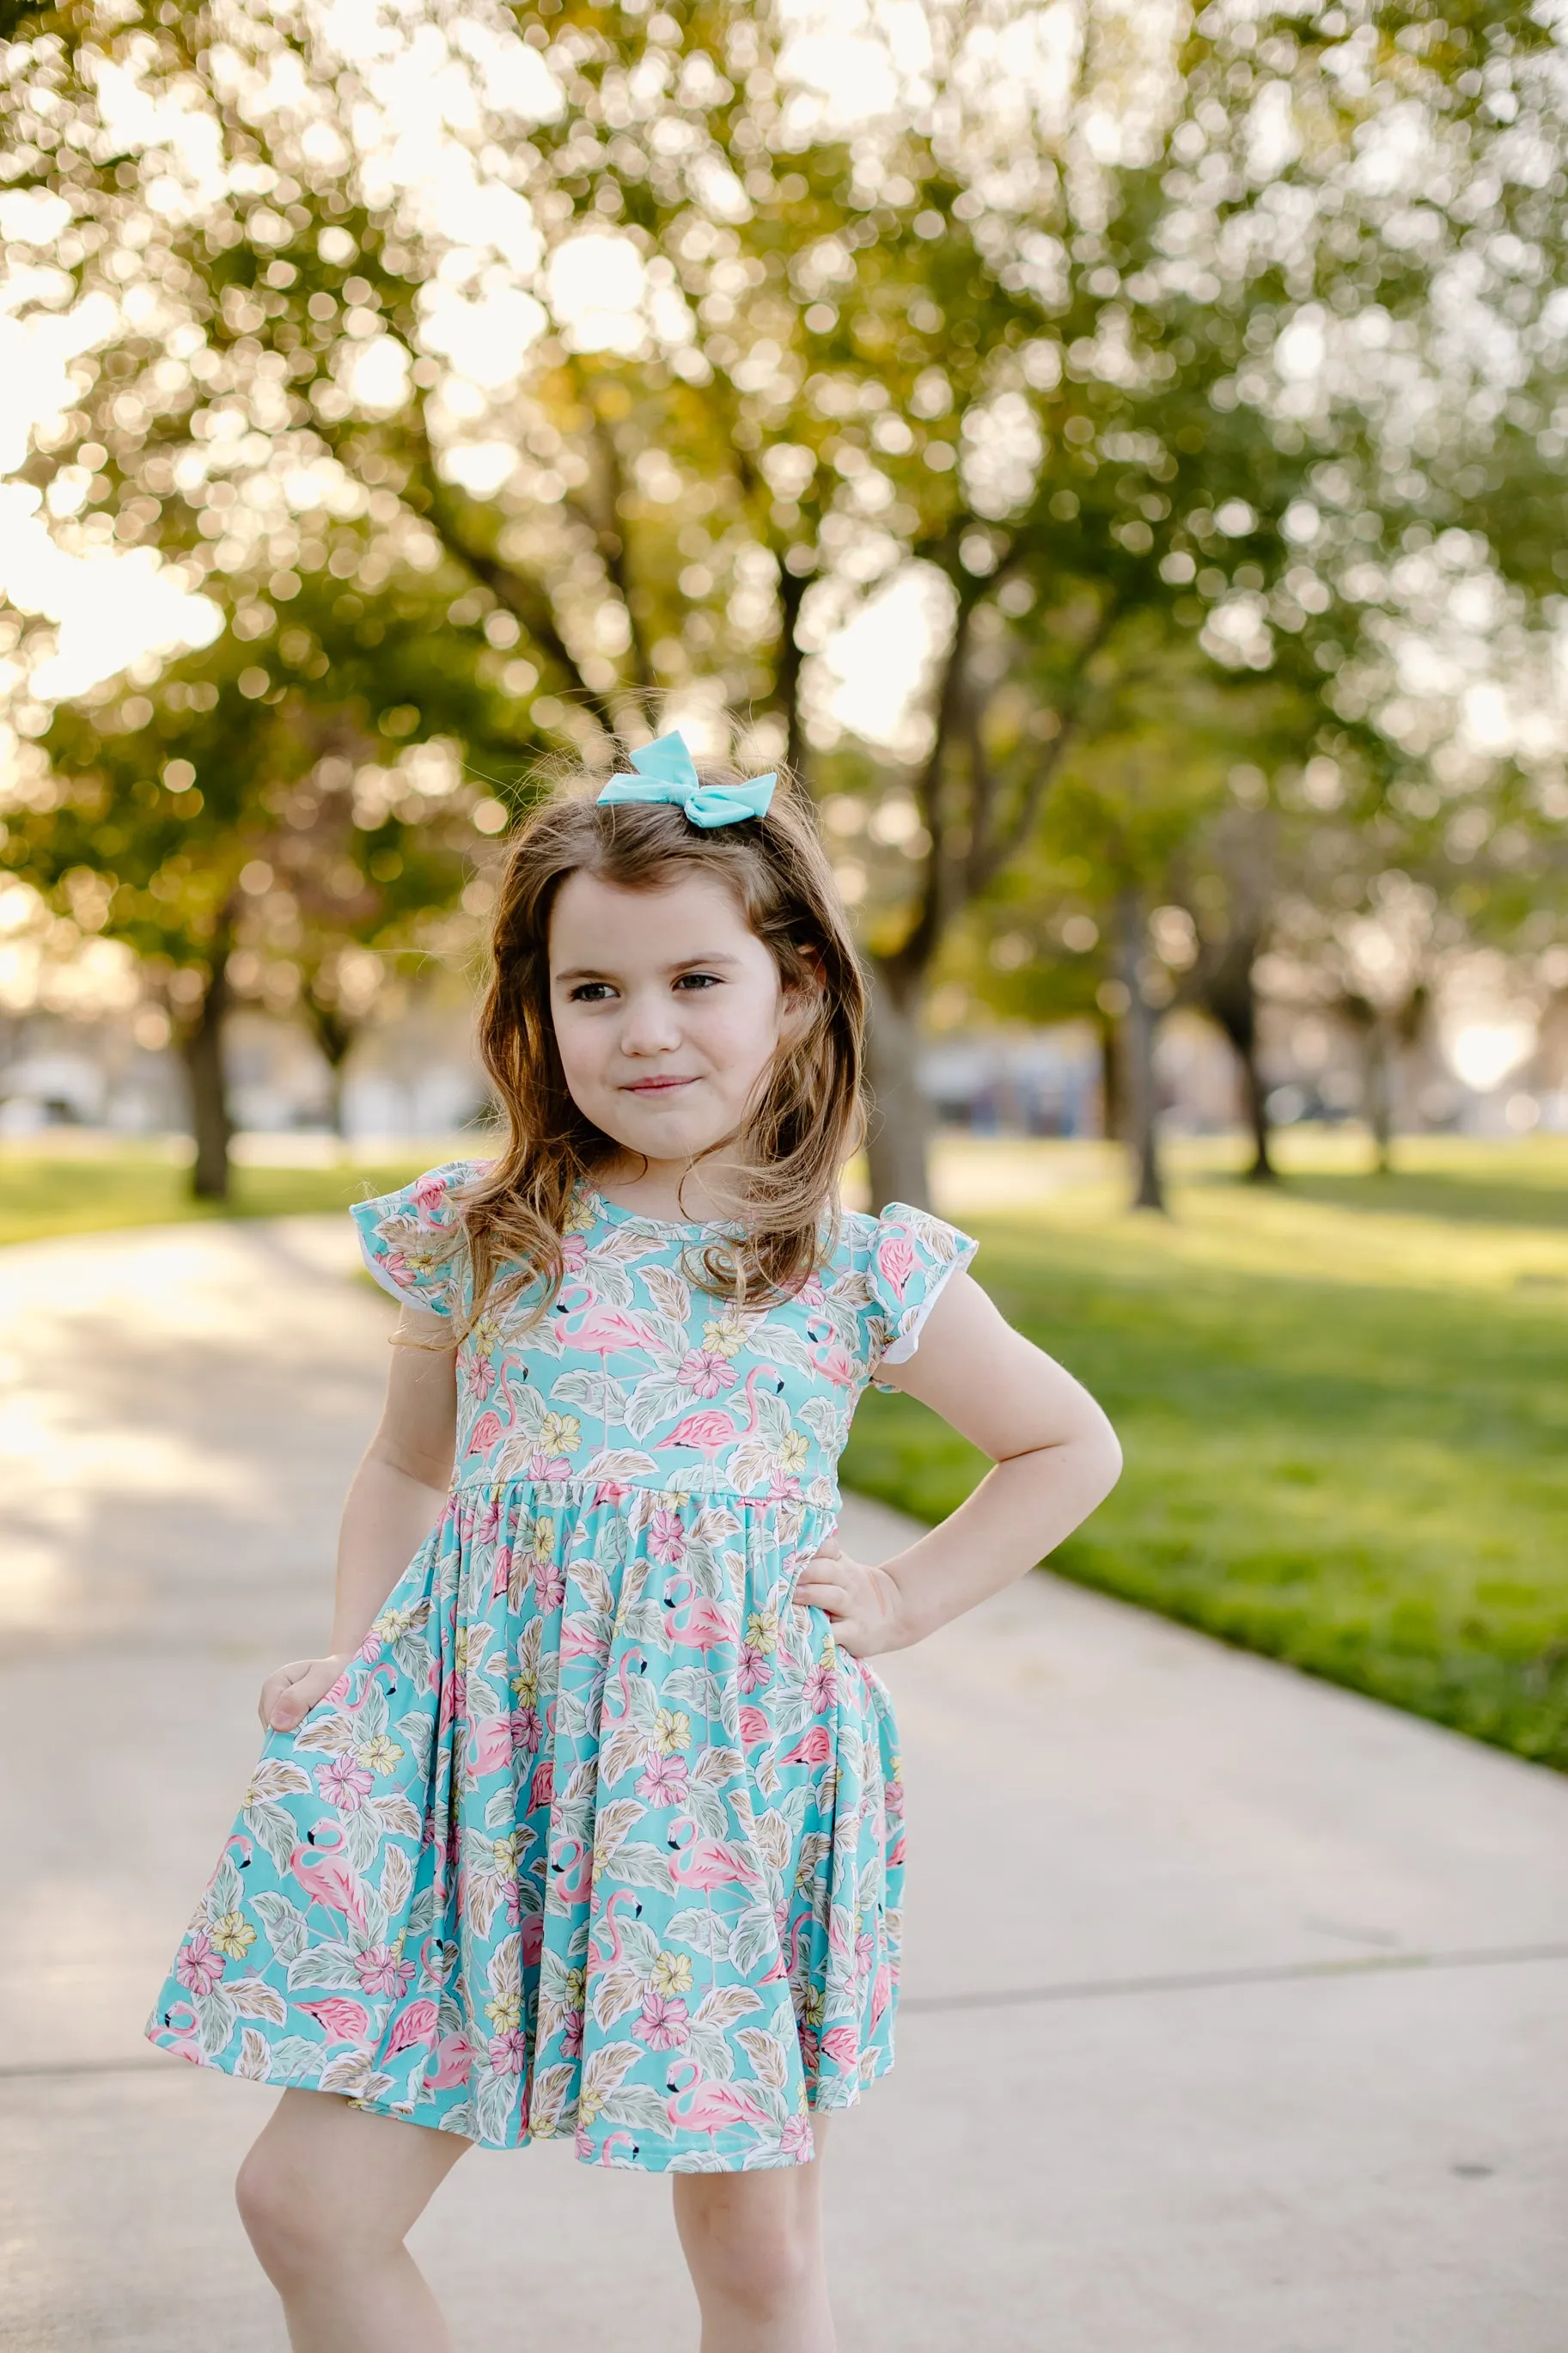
(711, 1427)
(571, 1877)
(842, 2044)
(581, 1638)
(341, 2021)
(605, 1332)
(705, 1626)
(185, 2040)
(607, 1924)
(621, 1674)
(754, 1726)
(706, 2105)
(814, 1749)
(455, 2057)
(707, 1862)
(491, 1742)
(895, 1258)
(606, 2147)
(326, 1877)
(353, 1706)
(782, 1967)
(413, 2027)
(831, 1358)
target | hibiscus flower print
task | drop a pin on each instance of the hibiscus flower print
(663, 1782)
(505, 2014)
(666, 1537)
(381, 1970)
(508, 2051)
(672, 1973)
(752, 1671)
(664, 2022)
(343, 1783)
(197, 1965)
(546, 1466)
(820, 1691)
(794, 1453)
(705, 1372)
(233, 1935)
(549, 1586)
(455, 1969)
(725, 1335)
(671, 1730)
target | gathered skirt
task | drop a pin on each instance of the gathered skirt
(598, 1835)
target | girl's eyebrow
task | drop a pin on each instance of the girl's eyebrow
(684, 964)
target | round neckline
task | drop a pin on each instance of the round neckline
(614, 1213)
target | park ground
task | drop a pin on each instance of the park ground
(1233, 2014)
(1341, 1398)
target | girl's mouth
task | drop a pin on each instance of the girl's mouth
(654, 1086)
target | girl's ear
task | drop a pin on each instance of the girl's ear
(802, 997)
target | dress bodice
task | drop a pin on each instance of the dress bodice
(637, 1375)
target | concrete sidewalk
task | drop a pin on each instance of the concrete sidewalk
(1236, 2007)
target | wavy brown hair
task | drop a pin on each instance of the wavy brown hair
(805, 1118)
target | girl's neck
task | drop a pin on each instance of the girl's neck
(675, 1192)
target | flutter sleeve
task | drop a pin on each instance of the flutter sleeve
(913, 1257)
(410, 1238)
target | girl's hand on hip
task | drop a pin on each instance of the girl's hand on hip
(290, 1692)
(864, 1606)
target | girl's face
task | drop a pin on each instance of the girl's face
(667, 1011)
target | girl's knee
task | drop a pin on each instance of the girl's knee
(292, 2219)
(759, 2262)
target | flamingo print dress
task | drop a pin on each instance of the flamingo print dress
(599, 1835)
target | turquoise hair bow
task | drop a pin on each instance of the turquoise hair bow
(665, 773)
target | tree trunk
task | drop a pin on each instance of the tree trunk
(334, 1039)
(1140, 1027)
(1232, 1000)
(1110, 1080)
(202, 1047)
(899, 1123)
(1380, 1091)
(1254, 1087)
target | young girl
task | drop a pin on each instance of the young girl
(588, 1823)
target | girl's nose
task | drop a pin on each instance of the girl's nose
(650, 1026)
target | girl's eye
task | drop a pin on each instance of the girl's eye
(589, 992)
(697, 980)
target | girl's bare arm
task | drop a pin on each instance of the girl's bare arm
(1055, 1457)
(392, 1503)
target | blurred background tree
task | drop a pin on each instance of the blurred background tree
(676, 371)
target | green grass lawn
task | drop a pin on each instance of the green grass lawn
(65, 1191)
(1343, 1404)
(1343, 1401)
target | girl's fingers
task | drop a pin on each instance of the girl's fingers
(299, 1686)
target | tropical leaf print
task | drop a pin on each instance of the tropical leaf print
(599, 1394)
(598, 1822)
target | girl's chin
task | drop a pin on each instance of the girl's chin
(665, 1137)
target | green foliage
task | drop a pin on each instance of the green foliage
(1340, 1410)
(288, 766)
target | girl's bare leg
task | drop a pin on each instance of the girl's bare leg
(752, 2243)
(327, 2194)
